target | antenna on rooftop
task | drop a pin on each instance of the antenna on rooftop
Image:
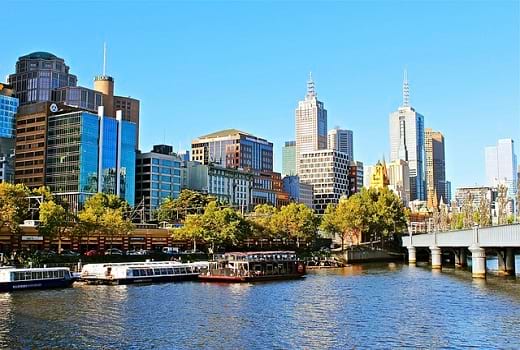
(104, 58)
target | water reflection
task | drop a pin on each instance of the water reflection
(360, 306)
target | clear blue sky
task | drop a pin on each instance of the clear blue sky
(203, 66)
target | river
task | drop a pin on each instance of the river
(376, 306)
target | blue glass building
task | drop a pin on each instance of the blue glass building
(8, 108)
(87, 153)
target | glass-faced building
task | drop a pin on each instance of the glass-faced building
(289, 158)
(87, 153)
(158, 176)
(8, 108)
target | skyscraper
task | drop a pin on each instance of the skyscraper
(311, 124)
(435, 167)
(289, 158)
(8, 108)
(399, 178)
(501, 165)
(37, 74)
(341, 140)
(407, 142)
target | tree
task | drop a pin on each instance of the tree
(14, 205)
(484, 211)
(502, 204)
(55, 221)
(114, 223)
(298, 222)
(329, 223)
(468, 219)
(262, 222)
(188, 202)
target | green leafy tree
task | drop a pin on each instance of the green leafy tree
(55, 221)
(14, 205)
(262, 222)
(298, 222)
(188, 202)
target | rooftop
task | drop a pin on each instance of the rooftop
(40, 55)
(224, 133)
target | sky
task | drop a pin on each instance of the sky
(199, 67)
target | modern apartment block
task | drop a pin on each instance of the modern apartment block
(327, 171)
(298, 191)
(89, 153)
(311, 125)
(158, 176)
(8, 108)
(407, 142)
(435, 167)
(228, 185)
(289, 158)
(501, 166)
(341, 140)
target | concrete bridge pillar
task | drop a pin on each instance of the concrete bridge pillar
(478, 261)
(436, 257)
(412, 259)
(460, 257)
(506, 262)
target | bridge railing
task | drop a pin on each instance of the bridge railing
(504, 236)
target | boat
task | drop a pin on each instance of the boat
(254, 267)
(141, 272)
(12, 278)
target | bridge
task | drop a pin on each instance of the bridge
(500, 240)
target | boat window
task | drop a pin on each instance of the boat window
(38, 275)
(28, 275)
(142, 272)
(164, 271)
(157, 271)
(149, 272)
(176, 270)
(170, 271)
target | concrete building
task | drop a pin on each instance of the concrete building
(289, 158)
(399, 179)
(78, 96)
(435, 167)
(341, 140)
(37, 74)
(327, 171)
(8, 108)
(311, 124)
(228, 185)
(501, 166)
(157, 177)
(407, 142)
(476, 193)
(298, 191)
(355, 177)
(98, 155)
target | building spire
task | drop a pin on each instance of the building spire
(311, 90)
(104, 58)
(406, 90)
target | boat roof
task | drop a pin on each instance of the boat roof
(35, 269)
(271, 252)
(146, 263)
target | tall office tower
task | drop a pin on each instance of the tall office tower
(8, 108)
(435, 167)
(311, 124)
(289, 158)
(399, 178)
(37, 74)
(341, 140)
(407, 142)
(447, 199)
(501, 166)
(158, 176)
(98, 155)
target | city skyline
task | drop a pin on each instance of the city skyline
(444, 87)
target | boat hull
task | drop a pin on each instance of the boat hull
(248, 279)
(147, 279)
(36, 284)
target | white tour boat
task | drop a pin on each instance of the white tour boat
(141, 272)
(12, 278)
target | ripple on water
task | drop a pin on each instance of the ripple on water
(373, 306)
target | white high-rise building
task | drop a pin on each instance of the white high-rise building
(341, 140)
(501, 165)
(407, 142)
(311, 124)
(399, 178)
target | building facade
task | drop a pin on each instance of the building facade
(37, 74)
(501, 166)
(355, 177)
(327, 171)
(407, 143)
(157, 177)
(311, 124)
(399, 179)
(89, 153)
(341, 140)
(298, 191)
(289, 158)
(228, 185)
(435, 167)
(8, 108)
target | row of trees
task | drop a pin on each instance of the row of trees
(102, 214)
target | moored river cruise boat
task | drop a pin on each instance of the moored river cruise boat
(141, 272)
(12, 279)
(254, 266)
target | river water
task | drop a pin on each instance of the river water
(377, 306)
